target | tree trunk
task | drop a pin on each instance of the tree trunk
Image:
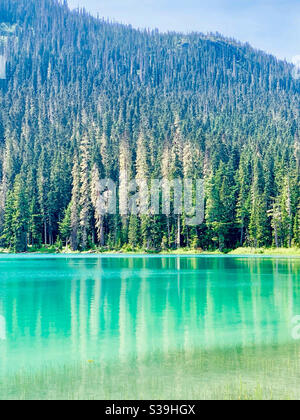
(178, 231)
(242, 233)
(276, 236)
(101, 233)
(45, 233)
(168, 227)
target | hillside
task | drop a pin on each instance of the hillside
(84, 99)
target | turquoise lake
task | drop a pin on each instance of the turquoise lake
(64, 311)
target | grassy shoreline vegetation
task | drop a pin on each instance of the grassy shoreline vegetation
(241, 251)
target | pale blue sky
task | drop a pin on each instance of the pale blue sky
(271, 25)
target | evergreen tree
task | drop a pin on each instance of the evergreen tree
(75, 221)
(85, 199)
(16, 217)
(98, 205)
(65, 227)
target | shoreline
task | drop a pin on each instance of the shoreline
(239, 252)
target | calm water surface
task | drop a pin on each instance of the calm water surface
(66, 309)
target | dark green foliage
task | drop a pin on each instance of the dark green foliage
(16, 217)
(83, 93)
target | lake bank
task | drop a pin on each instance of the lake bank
(242, 251)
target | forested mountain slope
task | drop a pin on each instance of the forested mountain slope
(84, 99)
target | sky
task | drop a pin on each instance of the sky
(269, 25)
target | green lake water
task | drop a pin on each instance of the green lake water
(147, 327)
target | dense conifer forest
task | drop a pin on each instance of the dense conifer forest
(85, 99)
